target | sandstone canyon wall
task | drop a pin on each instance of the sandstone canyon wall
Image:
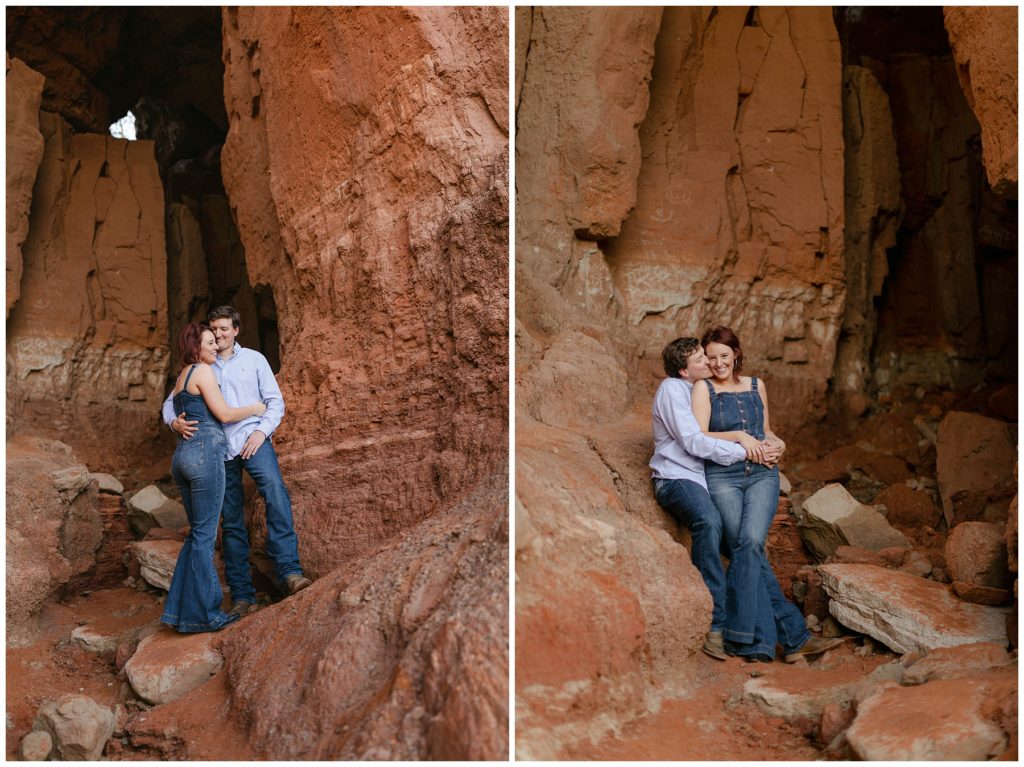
(87, 338)
(366, 164)
(765, 168)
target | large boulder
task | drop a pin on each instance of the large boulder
(909, 508)
(78, 726)
(832, 518)
(54, 527)
(167, 665)
(403, 657)
(606, 604)
(905, 612)
(976, 559)
(939, 721)
(957, 662)
(974, 465)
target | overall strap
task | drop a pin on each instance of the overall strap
(184, 386)
(711, 387)
(753, 383)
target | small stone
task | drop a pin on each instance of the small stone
(108, 483)
(78, 726)
(36, 746)
(150, 508)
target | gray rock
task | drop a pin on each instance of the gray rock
(156, 561)
(36, 746)
(90, 638)
(778, 696)
(150, 508)
(907, 613)
(108, 483)
(78, 726)
(833, 518)
(167, 665)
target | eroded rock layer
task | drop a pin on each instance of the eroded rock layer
(378, 216)
(87, 339)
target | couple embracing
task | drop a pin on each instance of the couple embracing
(715, 470)
(224, 407)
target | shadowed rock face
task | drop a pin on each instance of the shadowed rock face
(391, 288)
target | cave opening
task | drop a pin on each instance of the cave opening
(944, 293)
(161, 69)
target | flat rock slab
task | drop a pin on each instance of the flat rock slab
(957, 662)
(907, 613)
(938, 721)
(157, 560)
(167, 665)
(108, 483)
(801, 693)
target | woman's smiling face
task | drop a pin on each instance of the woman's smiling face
(208, 348)
(721, 359)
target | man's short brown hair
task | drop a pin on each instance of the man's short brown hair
(225, 313)
(674, 355)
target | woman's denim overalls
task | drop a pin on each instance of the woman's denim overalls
(194, 599)
(758, 615)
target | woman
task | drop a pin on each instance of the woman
(746, 494)
(194, 599)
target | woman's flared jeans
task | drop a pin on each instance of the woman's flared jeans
(194, 599)
(758, 615)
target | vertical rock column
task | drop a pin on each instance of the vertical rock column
(87, 340)
(366, 163)
(24, 152)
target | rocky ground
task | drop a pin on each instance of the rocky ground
(898, 534)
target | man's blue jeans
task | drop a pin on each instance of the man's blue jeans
(691, 505)
(282, 544)
(758, 615)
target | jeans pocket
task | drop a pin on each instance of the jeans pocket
(191, 455)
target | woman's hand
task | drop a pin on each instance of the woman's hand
(753, 446)
(259, 409)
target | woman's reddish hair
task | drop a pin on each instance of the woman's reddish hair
(190, 340)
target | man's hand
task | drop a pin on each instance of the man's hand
(185, 428)
(753, 446)
(773, 450)
(256, 439)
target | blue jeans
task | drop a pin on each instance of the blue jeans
(758, 615)
(691, 505)
(282, 543)
(194, 598)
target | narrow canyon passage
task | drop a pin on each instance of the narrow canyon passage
(838, 186)
(340, 177)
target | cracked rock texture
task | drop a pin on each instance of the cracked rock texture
(24, 153)
(53, 527)
(87, 339)
(403, 656)
(391, 290)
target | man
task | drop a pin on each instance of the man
(244, 376)
(680, 448)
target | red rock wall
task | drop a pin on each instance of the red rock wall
(87, 340)
(366, 164)
(984, 42)
(739, 212)
(24, 152)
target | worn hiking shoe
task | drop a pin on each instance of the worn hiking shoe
(240, 607)
(296, 582)
(714, 645)
(812, 647)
